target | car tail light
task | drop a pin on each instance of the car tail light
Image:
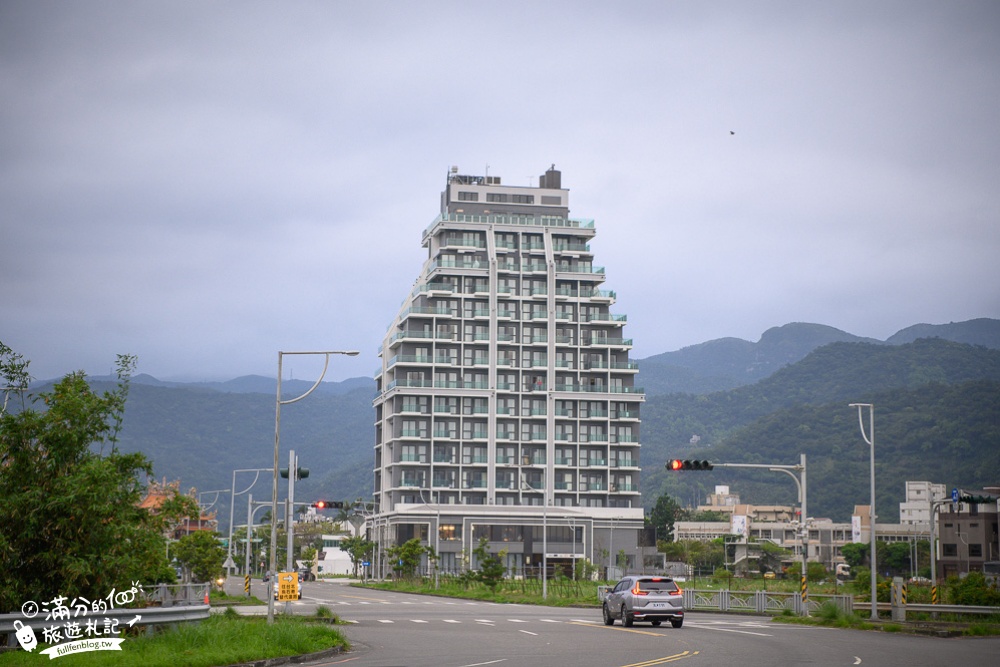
(636, 591)
(679, 591)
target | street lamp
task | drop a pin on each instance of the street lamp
(545, 535)
(232, 504)
(870, 439)
(277, 437)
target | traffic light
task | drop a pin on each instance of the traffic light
(690, 464)
(977, 500)
(328, 504)
(300, 473)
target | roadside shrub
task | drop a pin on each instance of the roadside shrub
(974, 589)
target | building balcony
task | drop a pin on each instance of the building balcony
(607, 342)
(590, 463)
(463, 242)
(624, 488)
(571, 248)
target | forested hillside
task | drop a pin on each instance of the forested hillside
(936, 419)
(727, 363)
(941, 433)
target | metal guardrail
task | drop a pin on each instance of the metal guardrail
(148, 616)
(952, 609)
(767, 602)
(169, 604)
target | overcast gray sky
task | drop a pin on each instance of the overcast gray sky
(203, 184)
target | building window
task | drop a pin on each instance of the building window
(975, 551)
(949, 550)
(551, 201)
(523, 199)
(468, 196)
(496, 197)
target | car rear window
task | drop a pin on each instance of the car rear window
(657, 585)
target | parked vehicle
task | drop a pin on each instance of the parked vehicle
(644, 598)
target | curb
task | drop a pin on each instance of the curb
(291, 659)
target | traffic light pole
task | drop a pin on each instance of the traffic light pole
(797, 473)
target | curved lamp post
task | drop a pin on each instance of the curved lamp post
(273, 556)
(870, 439)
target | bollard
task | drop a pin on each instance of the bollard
(898, 599)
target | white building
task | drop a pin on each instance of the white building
(506, 396)
(916, 509)
(332, 559)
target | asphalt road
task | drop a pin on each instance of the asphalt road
(398, 630)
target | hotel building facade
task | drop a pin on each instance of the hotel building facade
(506, 403)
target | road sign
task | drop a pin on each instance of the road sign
(288, 586)
(954, 495)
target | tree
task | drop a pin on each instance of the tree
(359, 549)
(894, 557)
(491, 568)
(406, 557)
(855, 554)
(201, 554)
(662, 517)
(70, 521)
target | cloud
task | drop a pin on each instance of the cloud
(203, 185)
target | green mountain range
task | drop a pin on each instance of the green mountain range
(937, 401)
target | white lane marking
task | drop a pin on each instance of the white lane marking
(517, 620)
(385, 621)
(491, 662)
(448, 620)
(533, 634)
(742, 632)
(857, 660)
(417, 620)
(486, 621)
(549, 620)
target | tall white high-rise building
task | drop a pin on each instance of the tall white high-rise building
(506, 398)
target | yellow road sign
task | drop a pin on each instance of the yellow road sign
(288, 586)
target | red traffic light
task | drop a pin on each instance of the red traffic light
(328, 504)
(677, 464)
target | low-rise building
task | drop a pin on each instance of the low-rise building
(967, 535)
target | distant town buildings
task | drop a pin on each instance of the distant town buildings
(967, 533)
(160, 492)
(507, 407)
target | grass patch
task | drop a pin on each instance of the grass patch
(561, 592)
(982, 629)
(218, 599)
(218, 640)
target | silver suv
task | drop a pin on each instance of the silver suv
(644, 598)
